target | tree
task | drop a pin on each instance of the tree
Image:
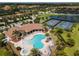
(76, 53)
(18, 48)
(60, 48)
(35, 52)
(37, 20)
(2, 36)
(17, 33)
(60, 45)
(51, 31)
(70, 42)
(69, 35)
(47, 34)
(60, 31)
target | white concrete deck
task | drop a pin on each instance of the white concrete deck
(23, 43)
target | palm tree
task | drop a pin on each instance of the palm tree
(47, 34)
(37, 20)
(2, 36)
(70, 42)
(35, 52)
(60, 31)
(17, 33)
(2, 43)
(51, 31)
(69, 35)
(60, 45)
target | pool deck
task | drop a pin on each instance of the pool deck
(45, 49)
(23, 42)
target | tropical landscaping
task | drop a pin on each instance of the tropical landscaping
(3, 47)
(67, 41)
(58, 21)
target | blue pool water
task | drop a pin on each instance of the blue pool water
(36, 41)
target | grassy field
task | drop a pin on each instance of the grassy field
(44, 17)
(75, 36)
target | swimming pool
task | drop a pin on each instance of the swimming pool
(36, 41)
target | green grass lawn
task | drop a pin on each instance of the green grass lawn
(44, 16)
(75, 36)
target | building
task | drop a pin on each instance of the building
(19, 37)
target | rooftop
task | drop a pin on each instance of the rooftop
(25, 28)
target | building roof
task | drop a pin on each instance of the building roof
(25, 27)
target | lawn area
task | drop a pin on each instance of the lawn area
(75, 36)
(44, 17)
(5, 52)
